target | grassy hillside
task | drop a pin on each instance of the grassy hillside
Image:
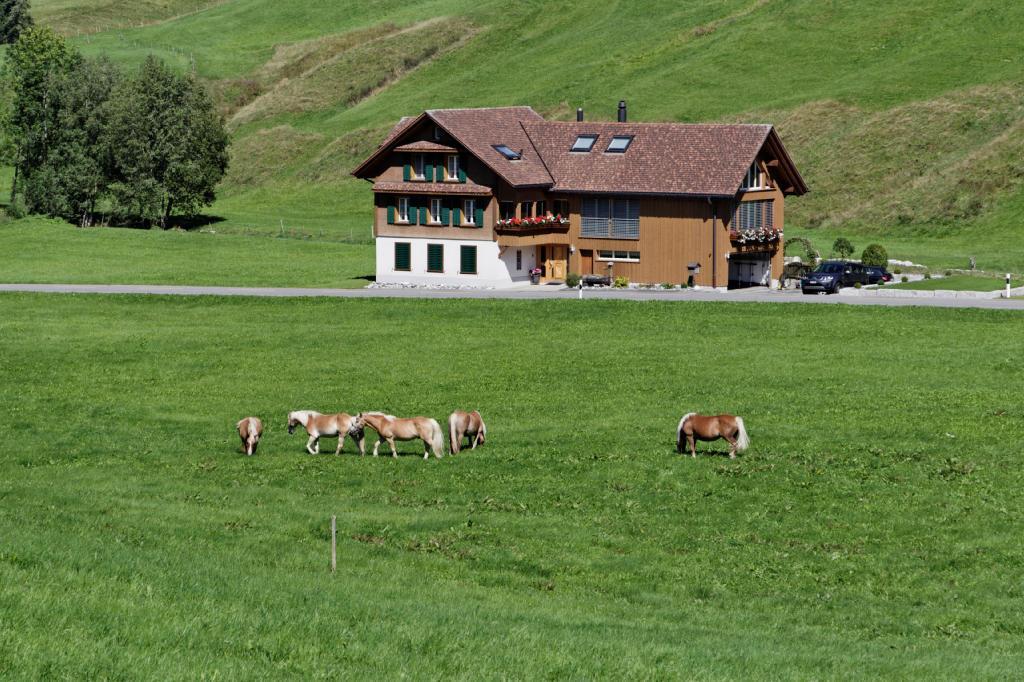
(865, 535)
(906, 119)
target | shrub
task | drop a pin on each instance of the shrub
(683, 285)
(927, 275)
(621, 282)
(842, 247)
(897, 271)
(572, 280)
(904, 279)
(856, 285)
(668, 285)
(874, 254)
(948, 273)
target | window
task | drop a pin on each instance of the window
(623, 256)
(755, 179)
(437, 133)
(467, 260)
(561, 207)
(753, 215)
(435, 257)
(610, 218)
(403, 209)
(619, 144)
(526, 209)
(519, 259)
(541, 209)
(469, 212)
(453, 168)
(435, 210)
(507, 152)
(417, 167)
(508, 210)
(403, 259)
(583, 143)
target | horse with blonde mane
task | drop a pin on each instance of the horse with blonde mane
(712, 427)
(318, 425)
(462, 424)
(250, 430)
(391, 428)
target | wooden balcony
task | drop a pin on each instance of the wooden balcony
(530, 228)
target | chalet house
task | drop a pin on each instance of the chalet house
(482, 196)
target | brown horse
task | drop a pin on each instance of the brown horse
(698, 427)
(462, 424)
(391, 428)
(318, 425)
(250, 430)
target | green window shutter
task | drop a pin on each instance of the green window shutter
(456, 216)
(435, 258)
(439, 173)
(424, 215)
(391, 215)
(403, 260)
(407, 172)
(445, 215)
(479, 217)
(467, 260)
(428, 172)
(462, 172)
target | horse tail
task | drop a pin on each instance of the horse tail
(453, 436)
(436, 438)
(679, 431)
(742, 439)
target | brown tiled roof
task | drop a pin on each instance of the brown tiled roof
(480, 129)
(386, 187)
(663, 158)
(425, 146)
(403, 124)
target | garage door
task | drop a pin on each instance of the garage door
(750, 270)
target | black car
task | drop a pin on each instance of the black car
(876, 274)
(832, 275)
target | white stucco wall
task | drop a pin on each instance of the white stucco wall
(495, 268)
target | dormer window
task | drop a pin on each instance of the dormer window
(619, 144)
(755, 179)
(508, 152)
(583, 143)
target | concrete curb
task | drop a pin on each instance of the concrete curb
(935, 293)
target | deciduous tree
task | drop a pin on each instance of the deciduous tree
(14, 18)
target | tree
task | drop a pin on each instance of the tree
(34, 63)
(14, 18)
(875, 254)
(168, 145)
(842, 248)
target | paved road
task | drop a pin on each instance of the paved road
(757, 295)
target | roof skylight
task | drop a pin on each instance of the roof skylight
(583, 143)
(619, 144)
(508, 152)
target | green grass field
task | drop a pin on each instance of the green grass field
(50, 251)
(959, 283)
(871, 531)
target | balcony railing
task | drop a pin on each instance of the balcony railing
(531, 225)
(762, 235)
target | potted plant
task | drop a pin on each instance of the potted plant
(535, 275)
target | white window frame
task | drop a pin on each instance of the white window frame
(754, 178)
(629, 258)
(452, 168)
(419, 165)
(403, 209)
(435, 218)
(469, 212)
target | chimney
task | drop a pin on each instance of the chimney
(622, 111)
(579, 113)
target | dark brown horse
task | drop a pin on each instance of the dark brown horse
(694, 427)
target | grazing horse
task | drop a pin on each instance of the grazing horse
(250, 430)
(318, 425)
(698, 427)
(391, 428)
(462, 424)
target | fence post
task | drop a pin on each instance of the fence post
(334, 543)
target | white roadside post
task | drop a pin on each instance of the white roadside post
(1007, 285)
(580, 285)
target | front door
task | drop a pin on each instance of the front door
(555, 263)
(586, 262)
